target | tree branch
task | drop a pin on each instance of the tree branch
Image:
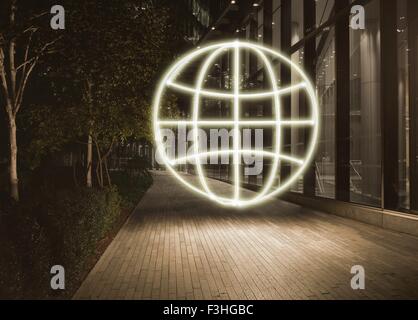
(25, 77)
(8, 105)
(100, 164)
(12, 51)
(24, 64)
(3, 75)
(25, 60)
(109, 151)
(36, 16)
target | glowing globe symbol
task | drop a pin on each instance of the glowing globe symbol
(234, 49)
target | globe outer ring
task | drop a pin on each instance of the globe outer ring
(188, 57)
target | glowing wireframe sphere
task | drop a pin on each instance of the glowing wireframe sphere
(269, 58)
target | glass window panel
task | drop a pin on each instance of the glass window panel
(276, 25)
(326, 92)
(365, 111)
(403, 81)
(297, 143)
(247, 53)
(297, 21)
(260, 33)
(276, 4)
(324, 9)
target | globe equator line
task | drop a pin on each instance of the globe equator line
(244, 123)
(242, 96)
(291, 159)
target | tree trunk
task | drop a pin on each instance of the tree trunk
(104, 158)
(75, 163)
(89, 100)
(89, 161)
(99, 166)
(109, 180)
(98, 175)
(14, 181)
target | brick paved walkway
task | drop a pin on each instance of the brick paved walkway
(177, 245)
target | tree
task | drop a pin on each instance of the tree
(23, 43)
(99, 83)
(114, 53)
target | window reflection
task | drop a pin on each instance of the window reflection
(297, 138)
(365, 163)
(324, 10)
(297, 21)
(276, 23)
(365, 119)
(403, 102)
(325, 86)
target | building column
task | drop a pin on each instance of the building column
(342, 117)
(286, 79)
(252, 180)
(268, 107)
(267, 22)
(223, 112)
(413, 94)
(390, 108)
(309, 17)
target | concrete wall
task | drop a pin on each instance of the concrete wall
(395, 221)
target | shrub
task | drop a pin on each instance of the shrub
(131, 187)
(24, 247)
(81, 219)
(63, 228)
(54, 225)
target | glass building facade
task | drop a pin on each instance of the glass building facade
(366, 81)
(201, 15)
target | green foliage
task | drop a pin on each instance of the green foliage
(170, 108)
(31, 21)
(114, 55)
(80, 220)
(58, 226)
(100, 78)
(23, 246)
(130, 186)
(45, 131)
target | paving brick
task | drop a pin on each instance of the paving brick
(177, 245)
